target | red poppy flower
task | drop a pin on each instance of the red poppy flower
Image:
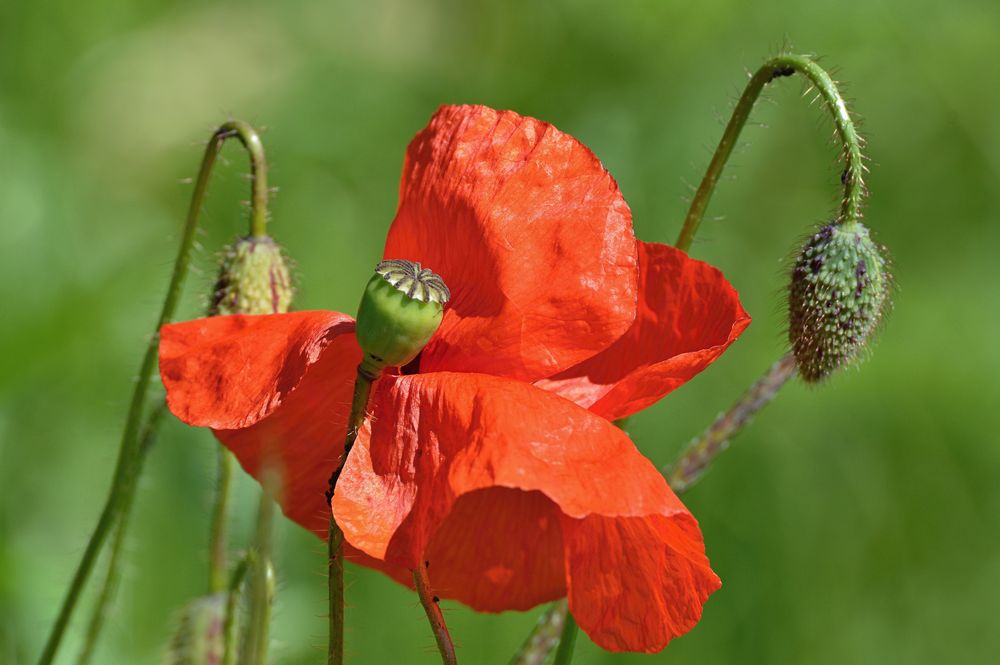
(497, 461)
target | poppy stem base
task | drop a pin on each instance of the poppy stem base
(430, 602)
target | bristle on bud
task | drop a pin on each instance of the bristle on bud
(254, 278)
(838, 294)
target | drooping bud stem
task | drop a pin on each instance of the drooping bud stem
(838, 294)
(780, 66)
(400, 311)
(123, 484)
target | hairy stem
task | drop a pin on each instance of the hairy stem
(335, 537)
(255, 646)
(232, 608)
(691, 464)
(544, 637)
(217, 546)
(567, 641)
(433, 610)
(777, 67)
(111, 581)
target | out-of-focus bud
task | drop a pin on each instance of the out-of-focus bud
(253, 279)
(400, 310)
(839, 291)
(199, 638)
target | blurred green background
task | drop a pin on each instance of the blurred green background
(855, 523)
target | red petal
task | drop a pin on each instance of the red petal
(228, 372)
(529, 232)
(285, 380)
(688, 315)
(502, 487)
(635, 583)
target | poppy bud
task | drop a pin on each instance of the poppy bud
(253, 279)
(839, 290)
(399, 312)
(200, 639)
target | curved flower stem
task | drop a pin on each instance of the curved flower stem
(691, 464)
(430, 602)
(544, 637)
(217, 549)
(567, 641)
(777, 67)
(100, 611)
(335, 537)
(123, 484)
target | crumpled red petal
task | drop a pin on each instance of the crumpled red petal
(688, 316)
(276, 390)
(531, 235)
(227, 372)
(491, 480)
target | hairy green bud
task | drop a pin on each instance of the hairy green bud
(200, 635)
(838, 294)
(253, 279)
(400, 310)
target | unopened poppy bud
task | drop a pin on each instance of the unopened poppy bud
(200, 639)
(400, 310)
(253, 279)
(839, 290)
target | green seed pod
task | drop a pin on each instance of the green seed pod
(839, 291)
(400, 310)
(199, 639)
(253, 279)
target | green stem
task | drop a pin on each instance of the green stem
(564, 655)
(254, 650)
(232, 608)
(335, 539)
(122, 489)
(217, 549)
(422, 584)
(113, 578)
(544, 637)
(691, 464)
(259, 191)
(777, 67)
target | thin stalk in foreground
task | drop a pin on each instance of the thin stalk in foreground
(335, 537)
(217, 550)
(254, 651)
(232, 608)
(777, 67)
(111, 582)
(567, 641)
(691, 464)
(544, 637)
(122, 488)
(433, 610)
